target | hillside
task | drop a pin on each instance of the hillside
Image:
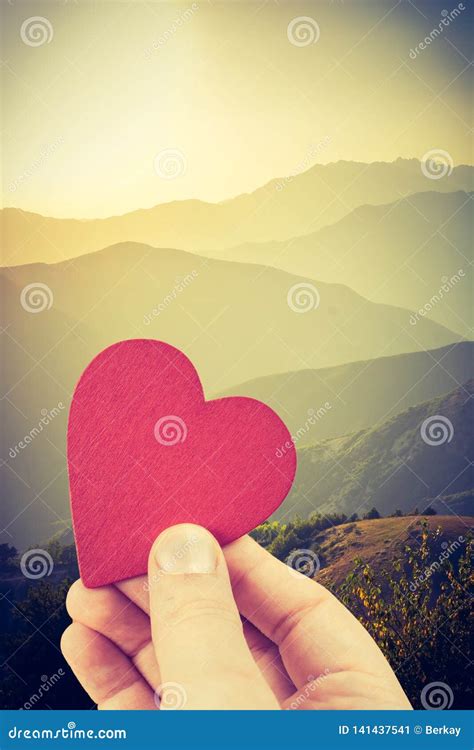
(418, 250)
(460, 503)
(333, 401)
(379, 542)
(282, 209)
(391, 465)
(232, 320)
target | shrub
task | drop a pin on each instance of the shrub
(418, 612)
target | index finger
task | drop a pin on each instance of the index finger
(312, 629)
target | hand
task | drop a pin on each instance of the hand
(179, 633)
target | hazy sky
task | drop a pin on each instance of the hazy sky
(115, 84)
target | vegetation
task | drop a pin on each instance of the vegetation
(30, 652)
(421, 623)
(281, 539)
(373, 513)
(416, 606)
(7, 555)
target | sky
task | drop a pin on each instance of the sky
(128, 104)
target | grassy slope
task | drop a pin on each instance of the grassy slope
(378, 542)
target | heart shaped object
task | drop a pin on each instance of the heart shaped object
(146, 451)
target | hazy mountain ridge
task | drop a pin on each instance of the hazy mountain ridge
(329, 402)
(283, 208)
(235, 321)
(42, 463)
(391, 465)
(418, 250)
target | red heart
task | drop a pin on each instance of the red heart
(145, 451)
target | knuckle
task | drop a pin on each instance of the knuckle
(179, 612)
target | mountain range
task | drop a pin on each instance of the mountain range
(415, 252)
(327, 340)
(334, 401)
(280, 210)
(425, 453)
(35, 479)
(235, 321)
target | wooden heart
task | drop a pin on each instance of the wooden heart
(146, 451)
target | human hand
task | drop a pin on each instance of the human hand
(178, 634)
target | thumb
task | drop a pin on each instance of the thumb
(197, 633)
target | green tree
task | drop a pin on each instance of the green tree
(373, 513)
